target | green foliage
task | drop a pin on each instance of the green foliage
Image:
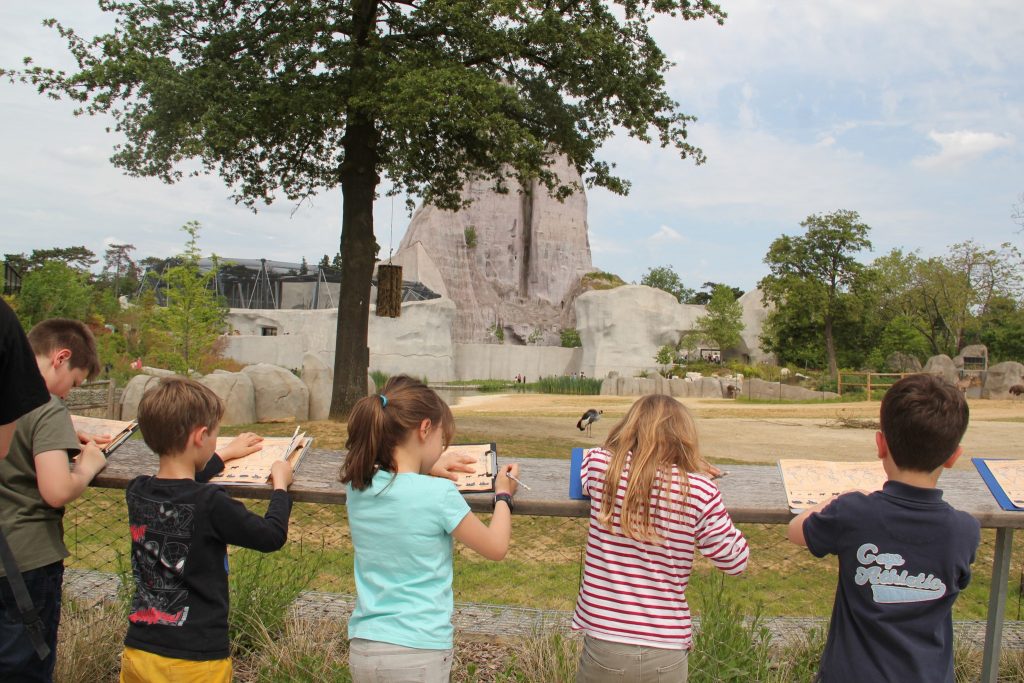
(535, 337)
(601, 280)
(79, 258)
(53, 290)
(729, 645)
(262, 588)
(559, 384)
(498, 331)
(380, 378)
(702, 298)
(470, 235)
(571, 338)
(194, 316)
(1002, 330)
(120, 272)
(666, 355)
(815, 273)
(723, 322)
(666, 279)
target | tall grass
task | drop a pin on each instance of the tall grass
(91, 639)
(380, 378)
(559, 384)
(729, 646)
(262, 588)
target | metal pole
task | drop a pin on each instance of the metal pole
(996, 605)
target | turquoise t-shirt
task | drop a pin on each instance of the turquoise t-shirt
(403, 566)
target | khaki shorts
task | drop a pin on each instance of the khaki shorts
(603, 661)
(370, 661)
(138, 666)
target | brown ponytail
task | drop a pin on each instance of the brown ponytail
(381, 421)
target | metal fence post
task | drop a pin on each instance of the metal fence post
(996, 605)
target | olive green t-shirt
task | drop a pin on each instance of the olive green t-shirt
(34, 530)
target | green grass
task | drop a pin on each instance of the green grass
(543, 564)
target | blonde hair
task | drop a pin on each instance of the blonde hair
(380, 422)
(169, 414)
(657, 433)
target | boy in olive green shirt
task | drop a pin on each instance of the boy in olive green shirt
(36, 481)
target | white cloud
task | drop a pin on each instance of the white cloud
(666, 234)
(962, 146)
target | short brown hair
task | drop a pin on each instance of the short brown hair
(381, 421)
(923, 419)
(56, 334)
(169, 413)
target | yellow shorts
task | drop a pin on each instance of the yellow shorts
(138, 666)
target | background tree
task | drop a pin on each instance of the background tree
(194, 316)
(294, 97)
(816, 269)
(703, 297)
(1002, 329)
(120, 269)
(723, 322)
(79, 258)
(665, 278)
(53, 290)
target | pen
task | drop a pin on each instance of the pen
(518, 482)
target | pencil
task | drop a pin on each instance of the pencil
(518, 482)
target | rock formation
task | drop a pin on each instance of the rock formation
(280, 395)
(510, 260)
(236, 391)
(1000, 378)
(942, 365)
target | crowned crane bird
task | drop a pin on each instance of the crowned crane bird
(588, 419)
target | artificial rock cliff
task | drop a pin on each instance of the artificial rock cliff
(522, 274)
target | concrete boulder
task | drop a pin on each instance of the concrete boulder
(133, 392)
(1000, 377)
(319, 380)
(943, 366)
(236, 391)
(763, 390)
(280, 395)
(970, 351)
(902, 362)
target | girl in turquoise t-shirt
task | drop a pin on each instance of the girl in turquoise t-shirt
(403, 511)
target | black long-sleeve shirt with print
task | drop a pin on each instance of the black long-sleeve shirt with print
(180, 531)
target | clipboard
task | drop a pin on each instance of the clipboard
(481, 480)
(254, 469)
(118, 430)
(997, 490)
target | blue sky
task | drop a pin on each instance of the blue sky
(911, 113)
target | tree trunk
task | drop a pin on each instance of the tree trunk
(359, 181)
(830, 349)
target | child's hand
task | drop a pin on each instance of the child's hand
(502, 484)
(242, 445)
(449, 465)
(98, 439)
(90, 460)
(281, 474)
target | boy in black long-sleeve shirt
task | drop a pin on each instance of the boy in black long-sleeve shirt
(180, 528)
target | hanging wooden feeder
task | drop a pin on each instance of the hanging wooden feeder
(389, 291)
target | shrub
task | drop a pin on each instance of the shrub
(571, 338)
(470, 234)
(729, 646)
(587, 386)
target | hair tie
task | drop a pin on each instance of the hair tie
(383, 401)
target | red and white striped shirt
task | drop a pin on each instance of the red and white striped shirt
(635, 591)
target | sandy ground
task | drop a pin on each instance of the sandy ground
(747, 432)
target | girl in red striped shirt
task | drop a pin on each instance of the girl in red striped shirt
(652, 506)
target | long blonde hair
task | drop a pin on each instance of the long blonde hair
(657, 433)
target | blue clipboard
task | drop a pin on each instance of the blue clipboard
(993, 485)
(575, 478)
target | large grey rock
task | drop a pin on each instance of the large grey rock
(763, 390)
(157, 372)
(943, 366)
(530, 253)
(1000, 377)
(710, 387)
(319, 379)
(754, 315)
(133, 392)
(236, 391)
(280, 395)
(970, 351)
(902, 362)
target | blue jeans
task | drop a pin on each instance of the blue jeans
(18, 658)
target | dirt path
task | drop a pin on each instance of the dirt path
(729, 430)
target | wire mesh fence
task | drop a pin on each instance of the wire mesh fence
(512, 616)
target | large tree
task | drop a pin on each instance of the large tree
(667, 279)
(291, 98)
(723, 322)
(817, 268)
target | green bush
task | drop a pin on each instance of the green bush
(571, 338)
(587, 386)
(470, 234)
(729, 645)
(380, 378)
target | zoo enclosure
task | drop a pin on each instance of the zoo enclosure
(536, 585)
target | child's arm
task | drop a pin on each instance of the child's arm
(235, 525)
(795, 532)
(58, 483)
(491, 541)
(718, 538)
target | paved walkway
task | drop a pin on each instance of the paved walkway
(504, 621)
